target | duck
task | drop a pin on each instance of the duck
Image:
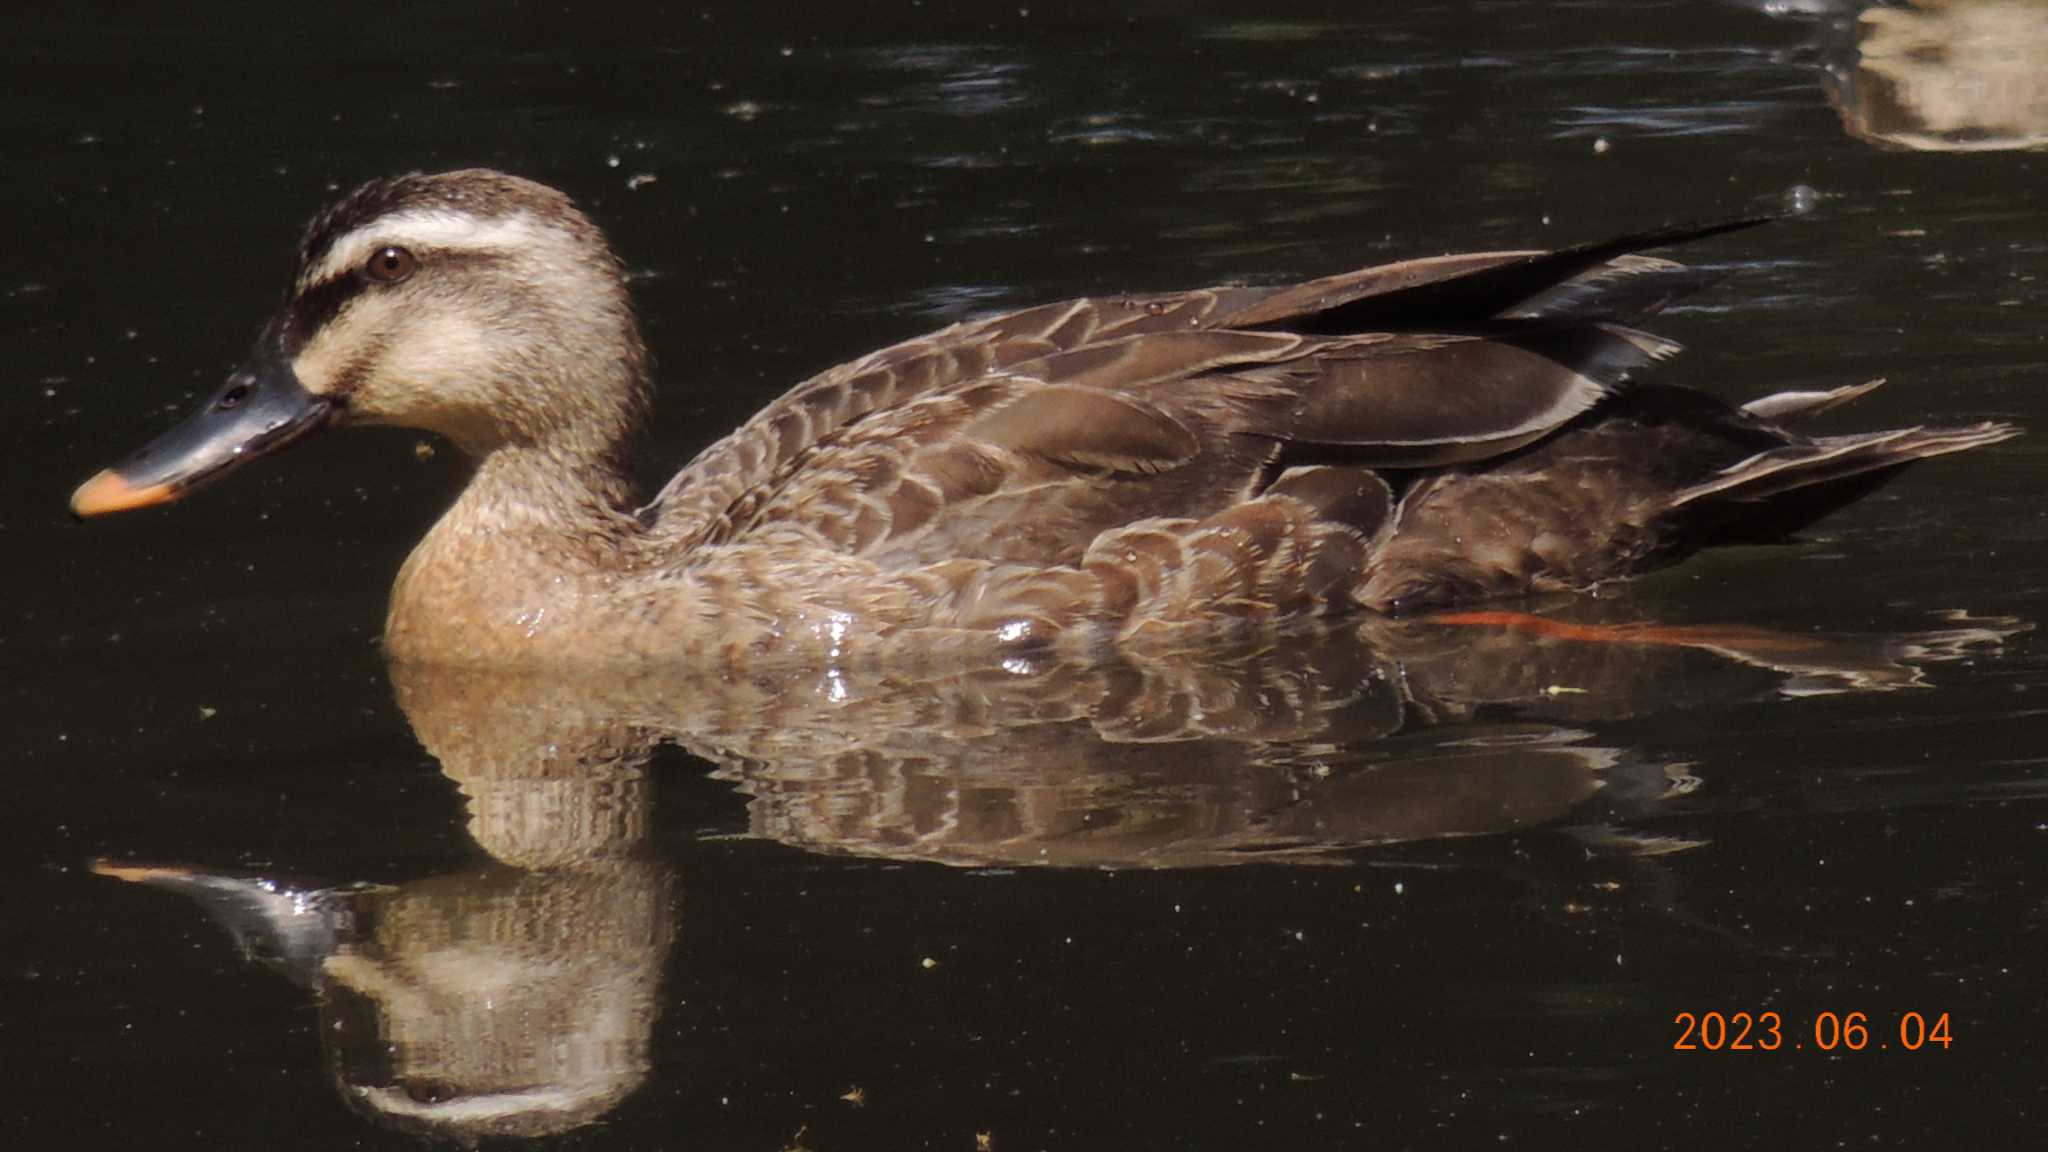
(1120, 471)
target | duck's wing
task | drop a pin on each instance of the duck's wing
(709, 500)
(1022, 437)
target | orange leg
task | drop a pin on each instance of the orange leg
(1641, 634)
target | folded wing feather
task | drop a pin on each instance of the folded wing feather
(1050, 426)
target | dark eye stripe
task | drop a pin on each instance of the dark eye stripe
(306, 312)
(316, 306)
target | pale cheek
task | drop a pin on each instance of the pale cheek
(316, 370)
(435, 386)
(437, 371)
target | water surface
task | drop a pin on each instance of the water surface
(1403, 885)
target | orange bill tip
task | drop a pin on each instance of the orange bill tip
(133, 873)
(108, 492)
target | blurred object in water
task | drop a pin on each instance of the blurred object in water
(1947, 76)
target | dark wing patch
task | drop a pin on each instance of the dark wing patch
(1432, 400)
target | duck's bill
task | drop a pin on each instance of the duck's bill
(261, 408)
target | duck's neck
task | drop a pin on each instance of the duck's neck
(551, 455)
(523, 546)
(538, 493)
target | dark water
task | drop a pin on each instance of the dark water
(1421, 886)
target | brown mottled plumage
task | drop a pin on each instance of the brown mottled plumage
(1125, 470)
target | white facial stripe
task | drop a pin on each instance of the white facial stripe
(424, 230)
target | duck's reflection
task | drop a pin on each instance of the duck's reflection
(516, 998)
(519, 998)
(1936, 75)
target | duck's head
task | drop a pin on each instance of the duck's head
(474, 304)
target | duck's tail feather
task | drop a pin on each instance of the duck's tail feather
(1625, 290)
(1779, 406)
(1778, 492)
(1605, 280)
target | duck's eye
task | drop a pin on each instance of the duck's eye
(390, 265)
(430, 1091)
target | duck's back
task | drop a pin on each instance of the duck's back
(1418, 433)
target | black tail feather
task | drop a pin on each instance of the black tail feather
(1499, 290)
(1775, 494)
